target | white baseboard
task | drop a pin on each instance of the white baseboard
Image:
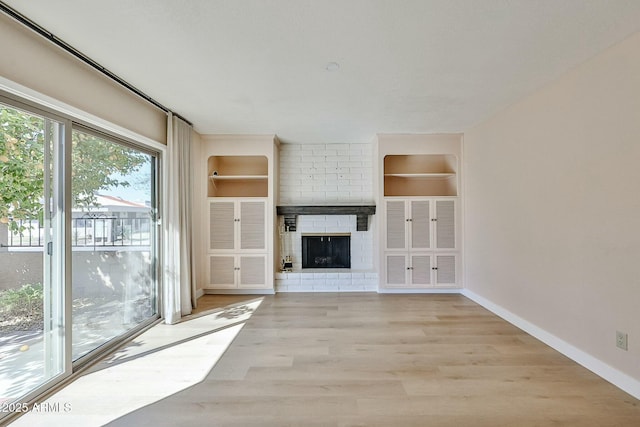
(199, 293)
(418, 291)
(598, 367)
(286, 289)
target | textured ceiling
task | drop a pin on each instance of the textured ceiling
(410, 66)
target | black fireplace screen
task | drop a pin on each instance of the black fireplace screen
(326, 252)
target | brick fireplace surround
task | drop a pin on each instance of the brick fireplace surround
(327, 175)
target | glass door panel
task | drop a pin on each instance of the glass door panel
(113, 232)
(32, 327)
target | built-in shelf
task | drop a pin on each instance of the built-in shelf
(238, 176)
(420, 175)
(444, 175)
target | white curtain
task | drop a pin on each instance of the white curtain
(179, 287)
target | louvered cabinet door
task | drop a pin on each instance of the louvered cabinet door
(396, 224)
(252, 271)
(445, 224)
(396, 270)
(420, 270)
(222, 271)
(420, 246)
(420, 224)
(222, 225)
(253, 225)
(445, 269)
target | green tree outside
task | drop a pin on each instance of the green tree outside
(95, 162)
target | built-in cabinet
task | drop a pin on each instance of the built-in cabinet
(420, 247)
(418, 203)
(420, 233)
(237, 243)
(239, 212)
(237, 224)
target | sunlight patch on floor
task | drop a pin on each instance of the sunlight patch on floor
(159, 363)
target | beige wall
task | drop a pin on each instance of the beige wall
(552, 224)
(33, 62)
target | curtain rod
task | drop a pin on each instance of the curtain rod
(84, 58)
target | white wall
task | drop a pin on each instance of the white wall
(326, 173)
(552, 222)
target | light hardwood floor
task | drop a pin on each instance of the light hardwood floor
(206, 303)
(389, 360)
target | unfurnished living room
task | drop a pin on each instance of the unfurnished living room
(320, 213)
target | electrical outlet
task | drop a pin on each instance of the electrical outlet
(621, 340)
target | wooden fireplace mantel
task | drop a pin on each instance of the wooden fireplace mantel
(362, 213)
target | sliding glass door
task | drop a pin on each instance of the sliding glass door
(78, 246)
(113, 239)
(32, 251)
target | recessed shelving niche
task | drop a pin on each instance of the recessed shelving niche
(420, 175)
(238, 176)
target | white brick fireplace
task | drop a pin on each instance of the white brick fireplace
(327, 175)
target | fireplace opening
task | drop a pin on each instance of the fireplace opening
(326, 251)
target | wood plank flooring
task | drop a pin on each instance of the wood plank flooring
(389, 360)
(207, 303)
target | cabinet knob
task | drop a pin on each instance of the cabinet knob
(434, 219)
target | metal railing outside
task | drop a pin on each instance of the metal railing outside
(88, 231)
